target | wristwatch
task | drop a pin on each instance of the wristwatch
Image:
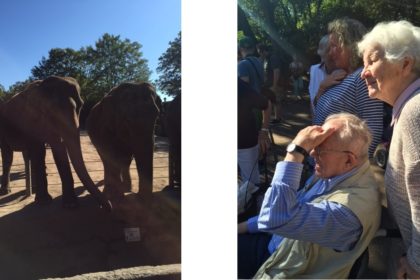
(292, 147)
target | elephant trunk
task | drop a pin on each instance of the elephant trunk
(76, 158)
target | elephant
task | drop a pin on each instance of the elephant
(121, 127)
(47, 112)
(173, 127)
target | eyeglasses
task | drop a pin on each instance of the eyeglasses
(321, 153)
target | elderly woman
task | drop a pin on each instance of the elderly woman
(391, 55)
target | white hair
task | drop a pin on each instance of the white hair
(353, 134)
(398, 39)
(323, 45)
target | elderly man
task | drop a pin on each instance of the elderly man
(321, 230)
(391, 55)
(348, 92)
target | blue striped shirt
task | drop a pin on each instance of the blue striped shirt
(351, 96)
(285, 212)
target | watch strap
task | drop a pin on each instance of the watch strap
(300, 150)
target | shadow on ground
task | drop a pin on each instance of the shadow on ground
(49, 241)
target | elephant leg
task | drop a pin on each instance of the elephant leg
(7, 159)
(30, 189)
(113, 189)
(63, 166)
(177, 164)
(171, 167)
(39, 175)
(144, 163)
(125, 176)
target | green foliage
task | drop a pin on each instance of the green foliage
(60, 62)
(111, 62)
(2, 92)
(169, 81)
(295, 26)
(18, 87)
(97, 69)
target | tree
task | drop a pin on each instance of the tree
(295, 26)
(2, 92)
(18, 87)
(60, 62)
(169, 81)
(111, 62)
(97, 69)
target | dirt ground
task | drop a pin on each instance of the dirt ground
(49, 241)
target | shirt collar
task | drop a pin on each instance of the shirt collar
(403, 98)
(330, 183)
(321, 66)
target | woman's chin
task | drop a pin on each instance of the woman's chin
(373, 93)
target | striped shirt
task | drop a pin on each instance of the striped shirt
(351, 96)
(288, 213)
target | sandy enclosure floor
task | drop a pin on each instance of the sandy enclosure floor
(49, 241)
(94, 166)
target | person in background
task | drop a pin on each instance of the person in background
(251, 71)
(296, 70)
(320, 230)
(248, 150)
(349, 95)
(321, 73)
(271, 64)
(391, 55)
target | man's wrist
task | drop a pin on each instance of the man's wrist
(297, 148)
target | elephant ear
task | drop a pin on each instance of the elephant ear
(134, 101)
(25, 108)
(109, 112)
(34, 102)
(59, 89)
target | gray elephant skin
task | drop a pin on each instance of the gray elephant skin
(47, 111)
(121, 127)
(173, 125)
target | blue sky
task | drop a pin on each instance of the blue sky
(29, 29)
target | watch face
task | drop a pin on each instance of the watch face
(291, 147)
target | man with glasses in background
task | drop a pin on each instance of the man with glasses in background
(320, 230)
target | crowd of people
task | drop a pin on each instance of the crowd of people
(319, 230)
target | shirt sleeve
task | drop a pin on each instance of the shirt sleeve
(412, 177)
(326, 223)
(243, 71)
(413, 189)
(252, 224)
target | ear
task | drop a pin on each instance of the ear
(407, 65)
(351, 160)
